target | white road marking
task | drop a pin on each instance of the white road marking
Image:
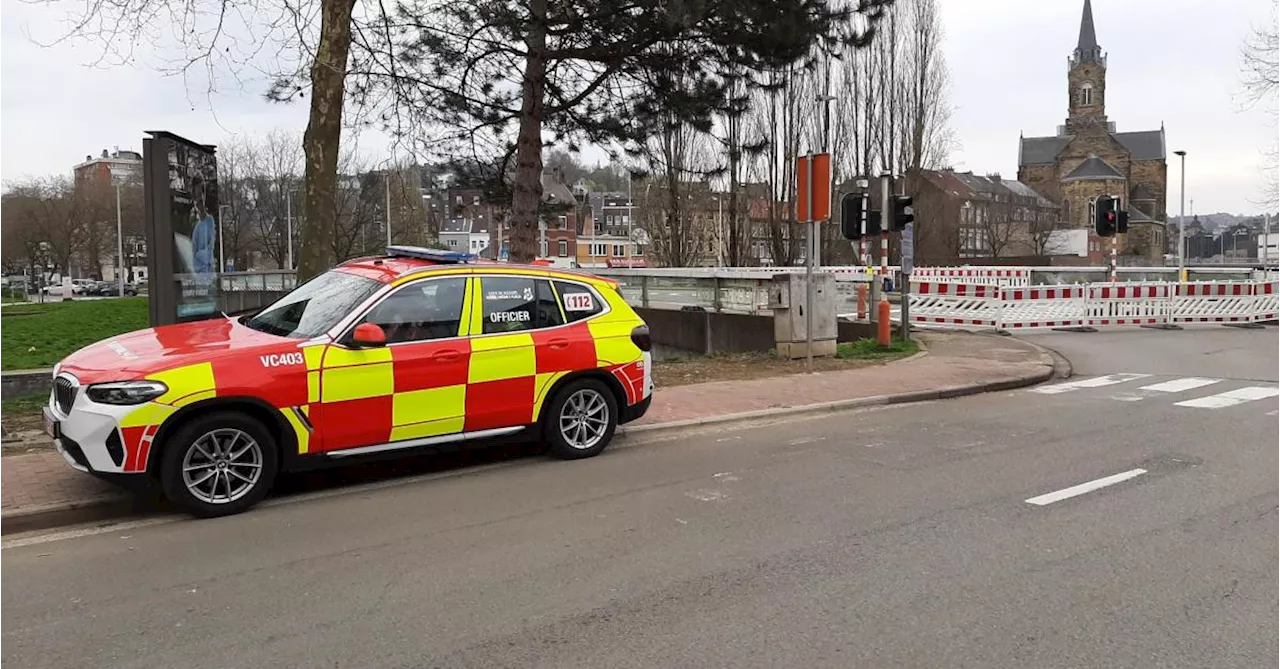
(1095, 382)
(1179, 385)
(1231, 397)
(706, 495)
(1273, 412)
(1075, 490)
(1127, 397)
(726, 476)
(805, 440)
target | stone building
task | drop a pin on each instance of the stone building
(1088, 158)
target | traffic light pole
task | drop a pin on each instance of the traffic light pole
(886, 221)
(808, 270)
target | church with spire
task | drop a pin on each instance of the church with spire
(1088, 157)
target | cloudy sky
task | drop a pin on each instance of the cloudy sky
(1174, 62)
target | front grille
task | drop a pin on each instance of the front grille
(64, 394)
(73, 449)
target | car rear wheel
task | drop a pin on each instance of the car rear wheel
(581, 420)
(218, 465)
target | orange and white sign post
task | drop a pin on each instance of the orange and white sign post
(813, 205)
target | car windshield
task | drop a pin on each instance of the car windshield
(315, 307)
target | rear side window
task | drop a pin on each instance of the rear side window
(579, 301)
(515, 304)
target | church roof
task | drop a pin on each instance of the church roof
(1136, 215)
(1093, 167)
(1142, 145)
(1088, 39)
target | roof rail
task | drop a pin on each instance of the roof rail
(434, 255)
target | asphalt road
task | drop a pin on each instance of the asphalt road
(899, 537)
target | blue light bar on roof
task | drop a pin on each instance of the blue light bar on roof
(434, 255)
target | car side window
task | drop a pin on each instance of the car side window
(421, 311)
(579, 301)
(516, 304)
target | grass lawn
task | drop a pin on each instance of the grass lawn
(39, 335)
(741, 366)
(869, 349)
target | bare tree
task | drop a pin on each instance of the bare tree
(1260, 68)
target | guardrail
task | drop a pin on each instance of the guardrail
(743, 290)
(267, 281)
(1094, 304)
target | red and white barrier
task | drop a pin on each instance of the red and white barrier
(1128, 304)
(1214, 303)
(955, 304)
(1042, 307)
(1266, 301)
(997, 276)
(1097, 304)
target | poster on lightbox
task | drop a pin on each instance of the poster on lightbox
(193, 191)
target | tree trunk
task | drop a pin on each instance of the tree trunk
(527, 189)
(323, 137)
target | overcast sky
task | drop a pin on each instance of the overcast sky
(1169, 61)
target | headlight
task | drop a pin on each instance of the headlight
(126, 392)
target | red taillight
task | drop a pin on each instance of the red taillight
(640, 337)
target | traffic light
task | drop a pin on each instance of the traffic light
(903, 213)
(851, 215)
(1122, 221)
(1104, 216)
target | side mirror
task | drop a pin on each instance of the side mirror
(368, 335)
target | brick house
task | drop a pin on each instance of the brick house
(962, 217)
(1088, 158)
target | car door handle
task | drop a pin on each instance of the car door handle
(447, 356)
(558, 343)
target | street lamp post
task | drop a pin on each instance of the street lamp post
(1182, 219)
(288, 226)
(118, 177)
(222, 256)
(388, 183)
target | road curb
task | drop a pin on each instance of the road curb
(49, 516)
(105, 508)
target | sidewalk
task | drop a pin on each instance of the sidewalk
(42, 484)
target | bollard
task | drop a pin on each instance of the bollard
(884, 328)
(862, 301)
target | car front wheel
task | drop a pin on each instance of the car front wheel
(219, 464)
(581, 420)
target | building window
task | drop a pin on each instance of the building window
(562, 223)
(453, 242)
(599, 249)
(619, 250)
(1086, 94)
(562, 248)
(609, 219)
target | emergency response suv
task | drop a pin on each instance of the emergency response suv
(378, 357)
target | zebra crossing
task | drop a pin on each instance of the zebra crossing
(1190, 392)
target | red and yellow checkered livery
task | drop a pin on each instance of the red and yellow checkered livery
(326, 396)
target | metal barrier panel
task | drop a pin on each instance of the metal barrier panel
(1128, 304)
(998, 276)
(1266, 301)
(954, 303)
(1214, 303)
(1042, 307)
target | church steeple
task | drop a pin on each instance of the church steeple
(1086, 78)
(1087, 49)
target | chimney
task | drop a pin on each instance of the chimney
(104, 153)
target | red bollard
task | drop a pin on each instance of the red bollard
(862, 301)
(884, 328)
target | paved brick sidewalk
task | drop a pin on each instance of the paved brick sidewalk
(43, 480)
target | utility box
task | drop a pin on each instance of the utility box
(787, 299)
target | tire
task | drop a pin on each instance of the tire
(565, 436)
(191, 448)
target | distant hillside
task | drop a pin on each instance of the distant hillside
(1221, 220)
